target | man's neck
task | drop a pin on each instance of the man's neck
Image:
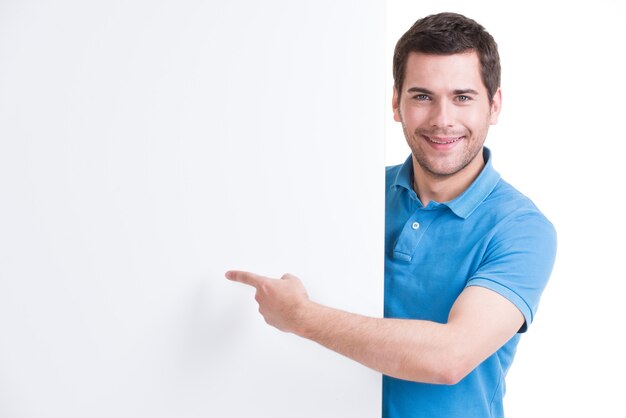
(445, 188)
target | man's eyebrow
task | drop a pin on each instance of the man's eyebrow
(465, 91)
(456, 92)
(420, 90)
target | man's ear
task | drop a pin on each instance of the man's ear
(395, 105)
(496, 107)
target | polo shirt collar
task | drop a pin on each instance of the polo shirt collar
(465, 204)
(405, 175)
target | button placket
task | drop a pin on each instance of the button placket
(412, 233)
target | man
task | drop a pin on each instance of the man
(466, 255)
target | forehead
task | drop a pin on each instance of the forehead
(443, 72)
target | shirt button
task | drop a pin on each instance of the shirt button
(415, 225)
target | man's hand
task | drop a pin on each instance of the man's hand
(282, 302)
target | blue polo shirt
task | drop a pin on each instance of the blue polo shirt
(490, 236)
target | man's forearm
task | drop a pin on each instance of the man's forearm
(406, 349)
(480, 322)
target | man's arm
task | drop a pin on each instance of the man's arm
(480, 322)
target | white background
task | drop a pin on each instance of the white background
(560, 140)
(146, 147)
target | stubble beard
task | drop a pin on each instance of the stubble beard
(416, 139)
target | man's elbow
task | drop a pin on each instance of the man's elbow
(456, 366)
(452, 374)
(448, 371)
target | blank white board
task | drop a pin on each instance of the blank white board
(146, 147)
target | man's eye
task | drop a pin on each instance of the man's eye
(463, 98)
(421, 97)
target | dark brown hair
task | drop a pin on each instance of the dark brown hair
(446, 34)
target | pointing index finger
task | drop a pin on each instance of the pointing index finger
(245, 277)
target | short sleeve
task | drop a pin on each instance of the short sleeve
(518, 262)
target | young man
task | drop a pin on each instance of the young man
(466, 255)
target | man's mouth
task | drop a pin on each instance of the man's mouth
(443, 140)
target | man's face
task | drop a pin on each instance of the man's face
(445, 111)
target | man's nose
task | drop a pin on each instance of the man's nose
(442, 114)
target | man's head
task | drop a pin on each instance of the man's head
(447, 34)
(446, 94)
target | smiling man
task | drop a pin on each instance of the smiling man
(466, 255)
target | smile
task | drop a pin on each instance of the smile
(443, 141)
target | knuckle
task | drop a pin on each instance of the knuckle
(290, 277)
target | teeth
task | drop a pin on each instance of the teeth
(443, 142)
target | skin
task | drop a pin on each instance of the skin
(452, 106)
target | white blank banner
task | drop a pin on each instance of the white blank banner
(146, 147)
